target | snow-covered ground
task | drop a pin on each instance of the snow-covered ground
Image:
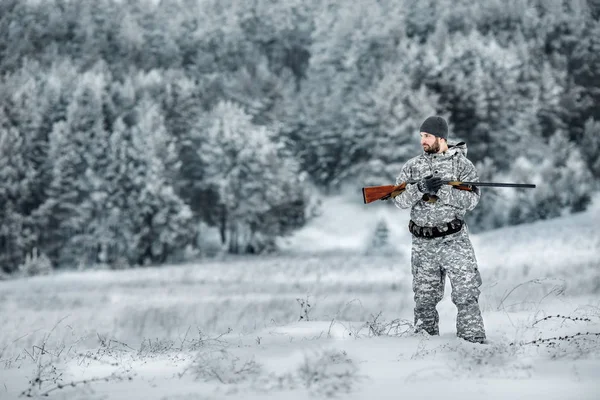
(328, 318)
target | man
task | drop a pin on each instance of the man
(440, 239)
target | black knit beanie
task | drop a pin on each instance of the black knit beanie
(436, 126)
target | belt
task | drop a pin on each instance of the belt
(433, 231)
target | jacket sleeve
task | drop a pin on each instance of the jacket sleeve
(462, 198)
(411, 195)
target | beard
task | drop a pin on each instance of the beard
(434, 148)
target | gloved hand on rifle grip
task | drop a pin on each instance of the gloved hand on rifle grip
(430, 184)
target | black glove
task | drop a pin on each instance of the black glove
(430, 184)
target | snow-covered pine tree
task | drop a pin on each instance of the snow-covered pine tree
(280, 32)
(551, 88)
(350, 49)
(564, 183)
(22, 116)
(500, 19)
(159, 49)
(585, 68)
(253, 183)
(380, 240)
(285, 193)
(498, 98)
(130, 37)
(183, 106)
(97, 21)
(75, 197)
(492, 209)
(421, 19)
(590, 147)
(386, 125)
(115, 229)
(24, 106)
(450, 74)
(162, 224)
(16, 237)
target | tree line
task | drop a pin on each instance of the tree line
(128, 127)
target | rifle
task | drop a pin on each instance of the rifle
(373, 193)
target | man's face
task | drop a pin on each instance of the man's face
(430, 143)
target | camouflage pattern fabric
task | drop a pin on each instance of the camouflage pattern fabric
(452, 255)
(452, 203)
(432, 260)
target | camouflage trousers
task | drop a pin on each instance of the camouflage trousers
(432, 260)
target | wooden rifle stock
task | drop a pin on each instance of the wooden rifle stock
(374, 193)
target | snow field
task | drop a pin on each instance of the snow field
(232, 328)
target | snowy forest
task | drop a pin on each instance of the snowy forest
(128, 130)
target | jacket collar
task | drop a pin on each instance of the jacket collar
(453, 149)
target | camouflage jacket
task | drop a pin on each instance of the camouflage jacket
(452, 203)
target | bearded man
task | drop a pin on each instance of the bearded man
(440, 237)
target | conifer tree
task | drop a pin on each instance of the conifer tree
(77, 148)
(590, 147)
(585, 66)
(162, 223)
(251, 177)
(449, 74)
(16, 235)
(561, 163)
(421, 19)
(386, 126)
(550, 94)
(23, 108)
(380, 240)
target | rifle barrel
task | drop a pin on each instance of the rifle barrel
(497, 184)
